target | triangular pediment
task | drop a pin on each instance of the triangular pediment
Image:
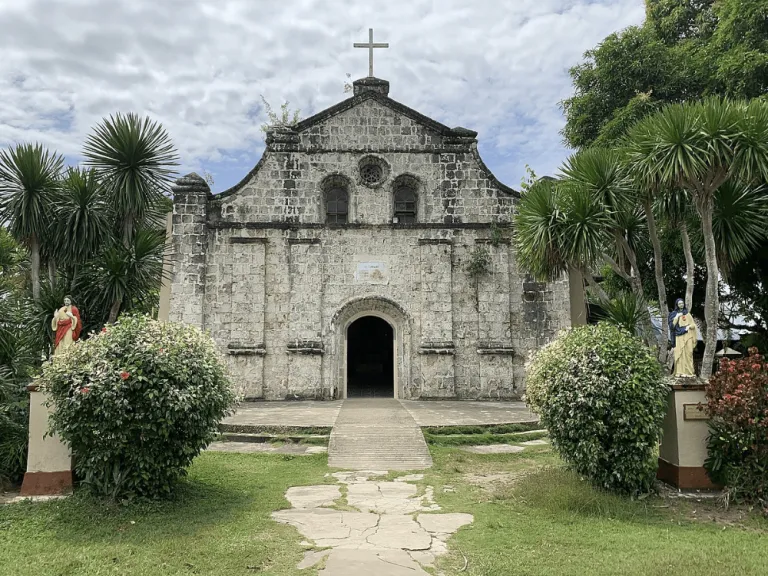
(378, 99)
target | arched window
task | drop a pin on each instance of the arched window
(405, 205)
(336, 205)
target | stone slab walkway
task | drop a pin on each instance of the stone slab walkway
(370, 527)
(468, 412)
(286, 414)
(306, 413)
(377, 434)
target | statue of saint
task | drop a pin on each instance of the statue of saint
(67, 324)
(682, 330)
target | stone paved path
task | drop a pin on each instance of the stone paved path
(468, 412)
(377, 434)
(378, 528)
(305, 413)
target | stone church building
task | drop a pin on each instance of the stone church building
(340, 265)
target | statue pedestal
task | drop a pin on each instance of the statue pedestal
(684, 443)
(49, 461)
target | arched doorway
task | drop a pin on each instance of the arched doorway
(370, 358)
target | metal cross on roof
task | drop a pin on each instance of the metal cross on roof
(370, 45)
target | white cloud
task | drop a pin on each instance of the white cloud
(199, 66)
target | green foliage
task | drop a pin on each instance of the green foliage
(128, 275)
(286, 117)
(137, 402)
(629, 312)
(479, 263)
(527, 181)
(82, 225)
(600, 393)
(573, 222)
(134, 160)
(737, 398)
(29, 178)
(17, 359)
(685, 50)
(739, 222)
(539, 231)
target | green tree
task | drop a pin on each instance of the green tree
(561, 227)
(29, 179)
(82, 226)
(134, 160)
(18, 357)
(700, 147)
(685, 50)
(122, 276)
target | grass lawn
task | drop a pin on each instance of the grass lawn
(531, 517)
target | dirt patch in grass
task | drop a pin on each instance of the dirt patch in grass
(492, 481)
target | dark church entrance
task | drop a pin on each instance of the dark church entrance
(370, 359)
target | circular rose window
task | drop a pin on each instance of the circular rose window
(371, 174)
(373, 171)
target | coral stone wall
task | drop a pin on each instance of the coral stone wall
(277, 286)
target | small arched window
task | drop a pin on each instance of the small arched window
(336, 205)
(405, 205)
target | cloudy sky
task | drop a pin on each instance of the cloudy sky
(201, 66)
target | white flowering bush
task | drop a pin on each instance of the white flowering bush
(136, 403)
(600, 392)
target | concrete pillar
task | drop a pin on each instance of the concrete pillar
(190, 242)
(49, 461)
(684, 442)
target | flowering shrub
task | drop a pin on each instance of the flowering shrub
(737, 398)
(600, 392)
(136, 403)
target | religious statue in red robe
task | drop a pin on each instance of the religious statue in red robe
(67, 324)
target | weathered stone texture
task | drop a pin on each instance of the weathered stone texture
(277, 287)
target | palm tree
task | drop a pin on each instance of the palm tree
(699, 147)
(739, 222)
(122, 276)
(29, 178)
(674, 206)
(134, 160)
(82, 226)
(599, 174)
(561, 227)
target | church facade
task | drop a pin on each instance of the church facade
(368, 253)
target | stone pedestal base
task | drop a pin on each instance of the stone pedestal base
(46, 483)
(49, 462)
(684, 443)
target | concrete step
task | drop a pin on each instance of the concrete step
(259, 438)
(377, 434)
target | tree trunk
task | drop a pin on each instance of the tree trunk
(52, 273)
(114, 311)
(34, 260)
(593, 286)
(659, 272)
(127, 230)
(634, 272)
(689, 270)
(711, 303)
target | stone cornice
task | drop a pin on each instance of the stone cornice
(228, 225)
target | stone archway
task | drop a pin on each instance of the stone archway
(371, 307)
